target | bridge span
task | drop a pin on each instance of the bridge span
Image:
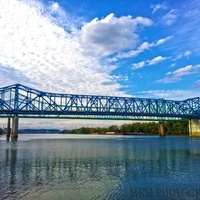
(19, 101)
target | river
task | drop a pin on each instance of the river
(56, 166)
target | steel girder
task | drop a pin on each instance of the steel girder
(27, 102)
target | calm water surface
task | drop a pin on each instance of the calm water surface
(99, 167)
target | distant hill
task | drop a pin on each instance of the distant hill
(21, 131)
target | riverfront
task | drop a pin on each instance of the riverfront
(99, 167)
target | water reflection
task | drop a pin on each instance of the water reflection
(194, 145)
(96, 168)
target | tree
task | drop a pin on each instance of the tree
(113, 128)
(176, 128)
(150, 128)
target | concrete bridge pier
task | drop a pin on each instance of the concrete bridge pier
(161, 129)
(15, 123)
(8, 129)
(194, 127)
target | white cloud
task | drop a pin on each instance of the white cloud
(192, 13)
(169, 94)
(55, 10)
(197, 84)
(157, 7)
(55, 6)
(111, 34)
(187, 53)
(179, 73)
(37, 52)
(138, 65)
(154, 61)
(161, 41)
(120, 77)
(181, 55)
(185, 71)
(144, 46)
(170, 17)
(187, 31)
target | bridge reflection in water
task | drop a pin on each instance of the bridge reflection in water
(18, 101)
(92, 168)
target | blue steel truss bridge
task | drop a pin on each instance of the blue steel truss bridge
(25, 102)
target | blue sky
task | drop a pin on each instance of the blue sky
(122, 47)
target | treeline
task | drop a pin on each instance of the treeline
(150, 128)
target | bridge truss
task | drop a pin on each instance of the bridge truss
(26, 102)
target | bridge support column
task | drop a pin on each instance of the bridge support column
(15, 122)
(161, 129)
(194, 127)
(8, 128)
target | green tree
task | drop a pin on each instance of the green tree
(150, 128)
(113, 128)
(176, 128)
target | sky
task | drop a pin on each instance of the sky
(146, 48)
